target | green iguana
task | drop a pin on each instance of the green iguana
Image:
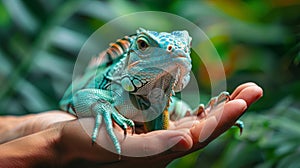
(135, 80)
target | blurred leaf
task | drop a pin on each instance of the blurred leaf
(246, 11)
(21, 15)
(186, 161)
(67, 39)
(34, 100)
(4, 17)
(63, 12)
(297, 59)
(123, 7)
(99, 10)
(237, 153)
(54, 65)
(5, 67)
(258, 33)
(291, 161)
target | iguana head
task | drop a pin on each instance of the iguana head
(157, 60)
(154, 67)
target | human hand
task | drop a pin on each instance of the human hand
(58, 139)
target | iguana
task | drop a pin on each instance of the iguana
(135, 79)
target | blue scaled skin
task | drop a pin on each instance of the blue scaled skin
(134, 80)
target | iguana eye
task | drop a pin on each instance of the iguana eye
(142, 44)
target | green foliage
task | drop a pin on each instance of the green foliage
(271, 139)
(257, 41)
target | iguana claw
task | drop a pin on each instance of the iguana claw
(240, 125)
(201, 111)
(125, 131)
(132, 130)
(223, 96)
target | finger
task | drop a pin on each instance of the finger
(137, 145)
(153, 147)
(210, 128)
(186, 122)
(232, 111)
(250, 94)
(240, 88)
(156, 142)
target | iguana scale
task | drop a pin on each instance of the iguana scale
(134, 80)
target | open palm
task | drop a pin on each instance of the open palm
(58, 139)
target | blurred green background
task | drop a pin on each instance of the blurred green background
(257, 40)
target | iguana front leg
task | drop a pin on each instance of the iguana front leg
(98, 103)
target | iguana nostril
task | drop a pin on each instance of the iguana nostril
(170, 48)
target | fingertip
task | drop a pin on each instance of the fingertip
(240, 88)
(259, 91)
(250, 94)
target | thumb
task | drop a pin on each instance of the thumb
(156, 142)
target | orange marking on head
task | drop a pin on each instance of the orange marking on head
(110, 52)
(117, 48)
(124, 43)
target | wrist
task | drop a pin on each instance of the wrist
(30, 151)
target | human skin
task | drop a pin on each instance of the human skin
(57, 139)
